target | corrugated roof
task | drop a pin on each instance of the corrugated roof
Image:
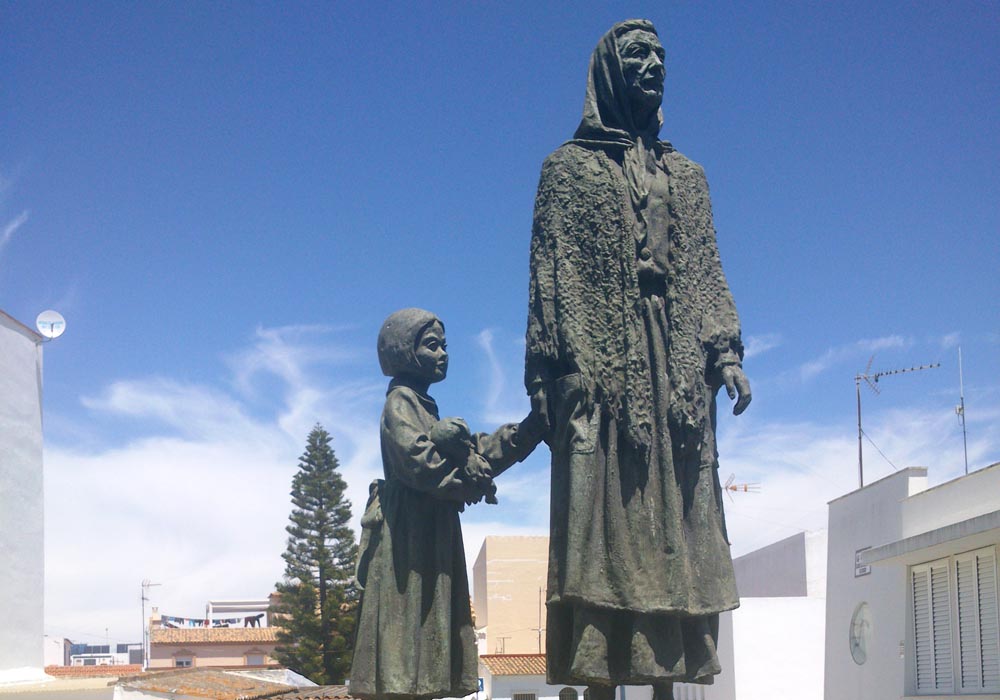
(205, 683)
(217, 635)
(514, 664)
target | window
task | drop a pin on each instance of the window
(523, 696)
(255, 659)
(956, 631)
(568, 694)
(978, 627)
(183, 662)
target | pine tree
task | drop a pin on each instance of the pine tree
(317, 602)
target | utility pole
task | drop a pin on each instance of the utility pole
(146, 585)
(872, 381)
(539, 628)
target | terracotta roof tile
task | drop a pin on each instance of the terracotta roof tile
(218, 635)
(514, 664)
(91, 671)
(205, 683)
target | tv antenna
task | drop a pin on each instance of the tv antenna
(146, 585)
(730, 487)
(871, 379)
(960, 410)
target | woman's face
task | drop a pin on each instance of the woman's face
(642, 67)
(432, 354)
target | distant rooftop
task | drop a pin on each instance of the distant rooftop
(514, 664)
(232, 685)
(214, 635)
(106, 671)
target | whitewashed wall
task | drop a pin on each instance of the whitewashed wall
(867, 518)
(22, 553)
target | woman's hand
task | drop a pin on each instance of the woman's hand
(737, 383)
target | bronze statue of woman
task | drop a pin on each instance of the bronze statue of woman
(632, 330)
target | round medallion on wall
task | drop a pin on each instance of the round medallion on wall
(861, 633)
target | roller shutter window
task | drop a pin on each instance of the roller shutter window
(932, 627)
(978, 625)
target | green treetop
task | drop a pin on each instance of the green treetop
(317, 603)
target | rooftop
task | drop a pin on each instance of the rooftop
(514, 664)
(92, 671)
(217, 635)
(205, 683)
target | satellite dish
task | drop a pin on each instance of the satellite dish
(51, 324)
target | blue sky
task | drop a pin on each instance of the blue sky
(225, 201)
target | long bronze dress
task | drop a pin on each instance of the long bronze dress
(630, 322)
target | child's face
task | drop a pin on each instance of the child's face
(432, 355)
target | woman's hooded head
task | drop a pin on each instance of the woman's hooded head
(397, 340)
(607, 110)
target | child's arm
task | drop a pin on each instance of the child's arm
(510, 443)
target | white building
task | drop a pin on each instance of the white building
(21, 508)
(912, 589)
(772, 645)
(56, 651)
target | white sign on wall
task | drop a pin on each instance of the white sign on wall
(859, 568)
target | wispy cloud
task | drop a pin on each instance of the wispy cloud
(195, 411)
(286, 352)
(759, 344)
(7, 182)
(841, 353)
(11, 227)
(950, 340)
(504, 400)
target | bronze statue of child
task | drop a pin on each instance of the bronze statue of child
(414, 636)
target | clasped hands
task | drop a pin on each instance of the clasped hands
(453, 439)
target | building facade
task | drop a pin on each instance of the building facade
(21, 506)
(912, 589)
(508, 582)
(218, 646)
